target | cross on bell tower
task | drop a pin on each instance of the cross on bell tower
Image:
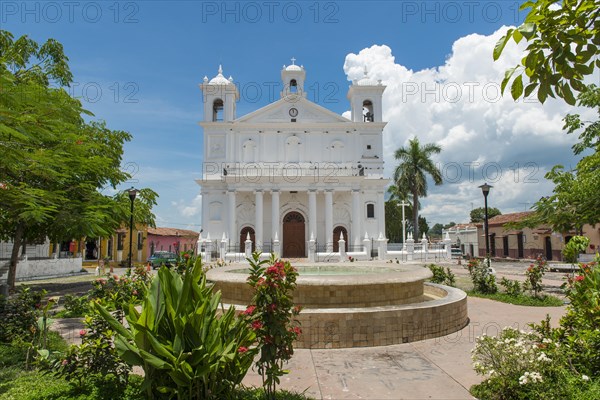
(293, 79)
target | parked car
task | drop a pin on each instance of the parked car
(160, 258)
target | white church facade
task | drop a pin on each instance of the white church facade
(292, 173)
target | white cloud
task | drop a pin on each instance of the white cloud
(484, 136)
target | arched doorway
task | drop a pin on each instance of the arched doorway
(243, 235)
(336, 238)
(294, 243)
(548, 242)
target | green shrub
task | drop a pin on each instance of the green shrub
(19, 315)
(94, 361)
(441, 275)
(188, 347)
(75, 306)
(483, 279)
(512, 288)
(576, 246)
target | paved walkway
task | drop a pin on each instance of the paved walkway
(430, 369)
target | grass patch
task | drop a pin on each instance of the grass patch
(17, 383)
(521, 300)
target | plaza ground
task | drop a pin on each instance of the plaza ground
(431, 369)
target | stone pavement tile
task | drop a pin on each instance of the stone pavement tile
(391, 372)
(452, 352)
(301, 379)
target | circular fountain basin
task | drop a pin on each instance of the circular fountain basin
(360, 305)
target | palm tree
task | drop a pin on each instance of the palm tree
(410, 174)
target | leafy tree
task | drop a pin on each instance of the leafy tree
(563, 45)
(478, 214)
(436, 230)
(563, 48)
(410, 174)
(393, 226)
(53, 163)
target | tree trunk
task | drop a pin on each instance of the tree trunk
(416, 216)
(14, 257)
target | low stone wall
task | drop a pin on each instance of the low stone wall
(383, 326)
(40, 268)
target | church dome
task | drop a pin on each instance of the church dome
(220, 79)
(293, 67)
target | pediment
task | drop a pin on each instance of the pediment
(279, 112)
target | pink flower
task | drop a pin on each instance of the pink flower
(297, 330)
(256, 325)
(135, 292)
(249, 310)
(579, 278)
(272, 307)
(64, 362)
(242, 349)
(82, 332)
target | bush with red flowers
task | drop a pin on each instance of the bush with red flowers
(534, 274)
(272, 315)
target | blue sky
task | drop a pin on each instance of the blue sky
(137, 65)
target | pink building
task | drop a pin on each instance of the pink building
(171, 239)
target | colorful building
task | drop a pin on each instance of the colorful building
(171, 239)
(530, 242)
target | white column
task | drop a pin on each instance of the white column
(356, 217)
(274, 213)
(258, 223)
(312, 213)
(381, 213)
(231, 215)
(329, 220)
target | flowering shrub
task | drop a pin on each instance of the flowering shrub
(19, 315)
(519, 365)
(580, 326)
(272, 316)
(534, 274)
(548, 363)
(118, 292)
(93, 361)
(483, 279)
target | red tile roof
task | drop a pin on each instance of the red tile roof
(172, 232)
(512, 217)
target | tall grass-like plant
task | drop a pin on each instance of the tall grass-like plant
(272, 316)
(187, 346)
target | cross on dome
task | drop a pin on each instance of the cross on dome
(293, 60)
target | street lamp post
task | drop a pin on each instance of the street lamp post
(485, 188)
(132, 194)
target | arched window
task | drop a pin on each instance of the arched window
(218, 110)
(368, 115)
(293, 86)
(370, 210)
